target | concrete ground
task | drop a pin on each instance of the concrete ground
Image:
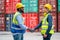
(27, 36)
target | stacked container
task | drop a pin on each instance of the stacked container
(2, 6)
(2, 17)
(2, 22)
(31, 13)
(29, 5)
(59, 15)
(31, 19)
(53, 13)
(11, 6)
(59, 22)
(10, 10)
(8, 7)
(8, 21)
(14, 2)
(58, 5)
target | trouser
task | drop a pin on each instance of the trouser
(18, 36)
(48, 37)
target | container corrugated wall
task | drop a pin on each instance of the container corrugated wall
(58, 5)
(2, 22)
(14, 2)
(2, 6)
(11, 6)
(31, 13)
(8, 6)
(59, 21)
(31, 19)
(58, 15)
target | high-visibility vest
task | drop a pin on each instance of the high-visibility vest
(15, 27)
(45, 26)
(14, 18)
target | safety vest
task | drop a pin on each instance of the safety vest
(15, 27)
(14, 18)
(44, 26)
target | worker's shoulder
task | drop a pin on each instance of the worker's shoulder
(17, 13)
(50, 16)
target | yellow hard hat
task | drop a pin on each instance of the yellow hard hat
(49, 6)
(19, 5)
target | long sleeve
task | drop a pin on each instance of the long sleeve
(38, 26)
(20, 22)
(49, 19)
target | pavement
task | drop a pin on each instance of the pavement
(28, 36)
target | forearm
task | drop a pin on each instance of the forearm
(23, 27)
(38, 26)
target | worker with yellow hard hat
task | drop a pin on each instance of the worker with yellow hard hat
(46, 25)
(18, 28)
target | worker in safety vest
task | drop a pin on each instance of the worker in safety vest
(46, 25)
(18, 28)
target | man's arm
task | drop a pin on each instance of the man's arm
(20, 22)
(38, 26)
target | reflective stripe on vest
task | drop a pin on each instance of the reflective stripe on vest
(45, 26)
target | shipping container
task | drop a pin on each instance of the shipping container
(2, 6)
(54, 4)
(2, 22)
(11, 6)
(31, 19)
(41, 4)
(54, 18)
(14, 2)
(58, 22)
(8, 21)
(58, 5)
(25, 18)
(29, 5)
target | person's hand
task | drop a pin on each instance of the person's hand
(44, 35)
(28, 29)
(32, 30)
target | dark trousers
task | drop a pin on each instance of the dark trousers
(48, 37)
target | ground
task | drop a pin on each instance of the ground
(27, 36)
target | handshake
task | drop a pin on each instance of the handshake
(31, 30)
